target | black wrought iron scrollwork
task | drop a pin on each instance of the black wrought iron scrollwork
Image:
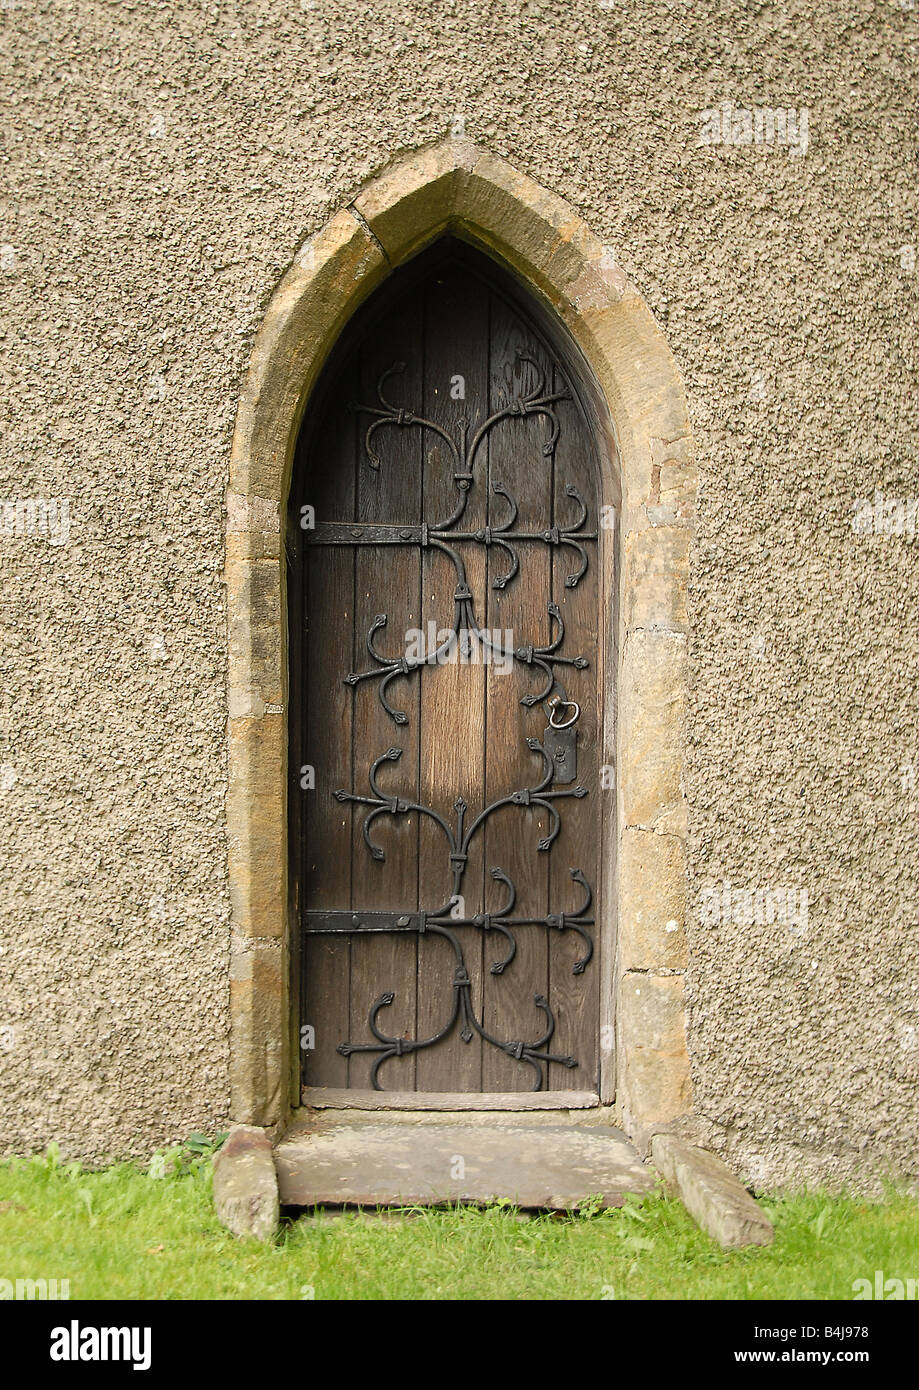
(444, 536)
(459, 838)
(445, 925)
(465, 624)
(537, 401)
(527, 1052)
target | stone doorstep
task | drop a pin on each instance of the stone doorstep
(369, 1159)
(538, 1162)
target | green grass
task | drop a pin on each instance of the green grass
(123, 1233)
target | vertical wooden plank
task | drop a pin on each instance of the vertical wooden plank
(387, 580)
(575, 998)
(517, 462)
(326, 747)
(453, 694)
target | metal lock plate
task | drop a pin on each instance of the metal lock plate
(561, 745)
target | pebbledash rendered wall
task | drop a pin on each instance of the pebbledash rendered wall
(751, 168)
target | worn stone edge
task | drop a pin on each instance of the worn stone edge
(712, 1195)
(246, 1161)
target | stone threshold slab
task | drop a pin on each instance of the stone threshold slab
(371, 1161)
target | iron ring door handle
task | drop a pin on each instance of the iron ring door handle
(568, 704)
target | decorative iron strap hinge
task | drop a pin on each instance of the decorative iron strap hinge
(349, 533)
(363, 921)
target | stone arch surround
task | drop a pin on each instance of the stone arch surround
(454, 187)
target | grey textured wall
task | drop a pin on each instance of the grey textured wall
(161, 165)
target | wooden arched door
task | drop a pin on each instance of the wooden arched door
(444, 615)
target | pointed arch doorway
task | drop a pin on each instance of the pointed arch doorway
(628, 379)
(446, 704)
